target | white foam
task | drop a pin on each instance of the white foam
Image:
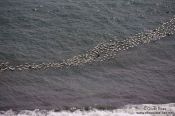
(128, 110)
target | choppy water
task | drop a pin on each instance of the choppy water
(38, 31)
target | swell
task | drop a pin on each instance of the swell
(100, 52)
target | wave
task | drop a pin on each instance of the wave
(128, 110)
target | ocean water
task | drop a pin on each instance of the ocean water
(36, 31)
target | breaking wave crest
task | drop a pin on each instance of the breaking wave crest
(128, 110)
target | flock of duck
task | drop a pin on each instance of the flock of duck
(101, 52)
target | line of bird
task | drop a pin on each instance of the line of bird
(100, 52)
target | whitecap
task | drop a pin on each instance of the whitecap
(128, 110)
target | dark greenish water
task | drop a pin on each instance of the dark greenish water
(36, 31)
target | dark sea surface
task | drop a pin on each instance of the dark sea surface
(36, 31)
